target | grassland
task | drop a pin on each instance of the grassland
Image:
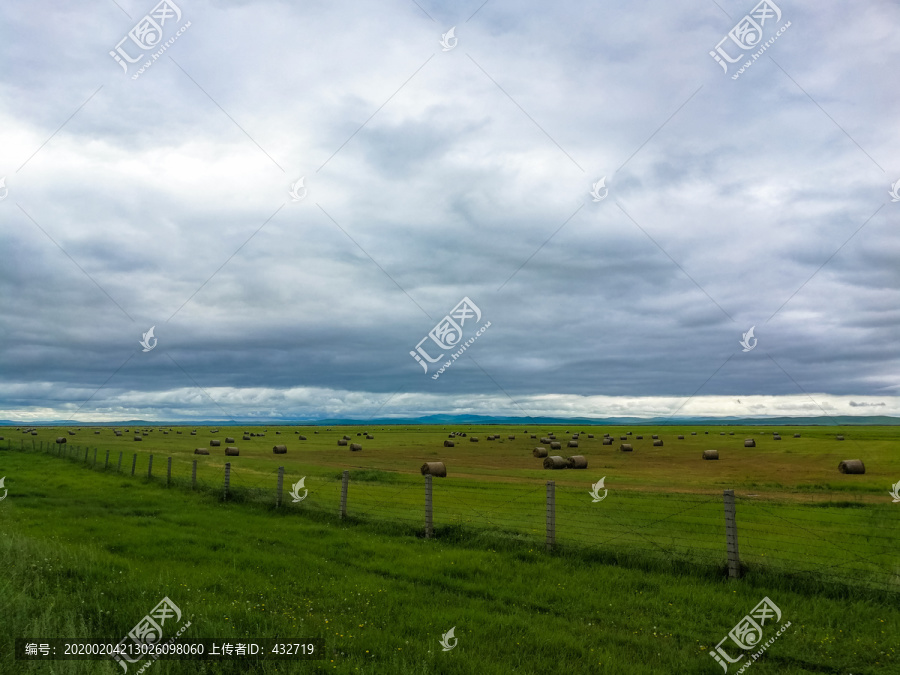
(90, 551)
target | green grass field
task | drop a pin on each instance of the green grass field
(636, 583)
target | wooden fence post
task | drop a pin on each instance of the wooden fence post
(227, 479)
(731, 538)
(169, 472)
(106, 464)
(551, 514)
(150, 467)
(86, 450)
(345, 479)
(428, 514)
(280, 486)
(194, 476)
(133, 463)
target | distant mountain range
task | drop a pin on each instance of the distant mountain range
(837, 420)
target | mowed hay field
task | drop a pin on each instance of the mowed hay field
(635, 584)
(801, 466)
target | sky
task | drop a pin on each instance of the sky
(407, 208)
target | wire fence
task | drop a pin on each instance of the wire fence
(845, 543)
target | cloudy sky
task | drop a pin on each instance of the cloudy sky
(169, 196)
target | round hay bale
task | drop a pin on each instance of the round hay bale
(280, 449)
(534, 435)
(214, 431)
(555, 462)
(710, 454)
(590, 435)
(852, 466)
(577, 462)
(572, 444)
(359, 433)
(639, 438)
(607, 441)
(555, 445)
(201, 451)
(776, 438)
(654, 437)
(355, 447)
(539, 452)
(138, 438)
(462, 433)
(796, 435)
(680, 438)
(278, 433)
(342, 441)
(193, 433)
(721, 433)
(229, 440)
(545, 440)
(512, 438)
(232, 452)
(369, 437)
(839, 438)
(749, 443)
(246, 437)
(626, 447)
(623, 438)
(628, 433)
(347, 438)
(657, 442)
(301, 438)
(449, 444)
(434, 469)
(34, 433)
(215, 443)
(693, 433)
(61, 439)
(473, 439)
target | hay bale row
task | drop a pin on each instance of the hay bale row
(434, 469)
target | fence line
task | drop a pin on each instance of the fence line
(817, 539)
